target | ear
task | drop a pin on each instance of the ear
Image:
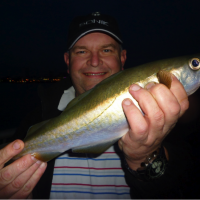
(66, 59)
(123, 58)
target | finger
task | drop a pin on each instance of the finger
(180, 94)
(168, 103)
(31, 183)
(20, 181)
(135, 119)
(137, 132)
(153, 115)
(10, 151)
(10, 172)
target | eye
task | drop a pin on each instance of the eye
(194, 64)
(80, 52)
(106, 50)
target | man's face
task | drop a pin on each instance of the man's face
(93, 58)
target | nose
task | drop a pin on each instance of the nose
(94, 60)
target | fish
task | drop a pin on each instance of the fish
(95, 120)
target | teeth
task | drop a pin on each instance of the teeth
(90, 74)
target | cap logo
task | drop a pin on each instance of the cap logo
(96, 13)
(93, 21)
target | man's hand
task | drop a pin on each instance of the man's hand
(18, 179)
(162, 108)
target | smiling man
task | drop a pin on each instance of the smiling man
(93, 58)
(94, 52)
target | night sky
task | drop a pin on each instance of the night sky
(33, 33)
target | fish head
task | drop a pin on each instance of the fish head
(189, 74)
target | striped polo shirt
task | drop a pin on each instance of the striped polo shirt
(88, 176)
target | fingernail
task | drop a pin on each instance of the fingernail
(33, 158)
(42, 165)
(135, 87)
(36, 160)
(149, 85)
(16, 145)
(39, 162)
(127, 102)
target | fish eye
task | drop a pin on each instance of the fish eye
(194, 64)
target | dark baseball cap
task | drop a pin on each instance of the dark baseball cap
(95, 22)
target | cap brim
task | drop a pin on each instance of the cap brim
(95, 30)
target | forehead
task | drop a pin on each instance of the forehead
(95, 38)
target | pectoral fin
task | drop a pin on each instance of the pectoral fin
(165, 78)
(95, 148)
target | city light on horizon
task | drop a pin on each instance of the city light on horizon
(31, 80)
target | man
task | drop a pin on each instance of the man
(95, 53)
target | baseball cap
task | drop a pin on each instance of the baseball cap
(95, 22)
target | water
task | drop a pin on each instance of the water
(16, 101)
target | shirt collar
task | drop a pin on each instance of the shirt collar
(67, 96)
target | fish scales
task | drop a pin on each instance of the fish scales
(96, 117)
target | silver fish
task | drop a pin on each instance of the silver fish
(93, 121)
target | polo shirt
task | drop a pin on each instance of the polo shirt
(88, 176)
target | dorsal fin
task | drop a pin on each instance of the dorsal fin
(83, 95)
(76, 100)
(35, 127)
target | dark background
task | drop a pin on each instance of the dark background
(33, 37)
(33, 33)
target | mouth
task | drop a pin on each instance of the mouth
(95, 74)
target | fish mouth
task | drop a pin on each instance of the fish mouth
(95, 74)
